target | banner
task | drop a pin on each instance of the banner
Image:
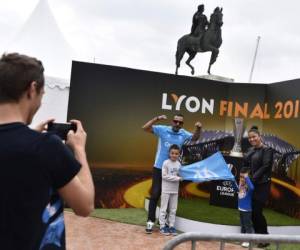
(115, 102)
(212, 168)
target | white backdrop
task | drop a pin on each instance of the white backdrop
(55, 101)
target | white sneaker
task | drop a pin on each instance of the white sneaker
(149, 227)
(245, 244)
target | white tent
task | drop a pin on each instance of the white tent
(55, 100)
(41, 37)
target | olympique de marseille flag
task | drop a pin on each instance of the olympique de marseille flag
(211, 168)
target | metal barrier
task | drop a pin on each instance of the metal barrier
(223, 238)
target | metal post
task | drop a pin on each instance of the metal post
(254, 59)
(222, 245)
(193, 245)
(251, 246)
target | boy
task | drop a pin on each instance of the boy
(244, 203)
(169, 194)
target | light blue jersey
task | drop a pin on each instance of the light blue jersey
(167, 137)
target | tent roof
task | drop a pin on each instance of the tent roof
(41, 37)
(53, 82)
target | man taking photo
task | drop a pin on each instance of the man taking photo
(38, 172)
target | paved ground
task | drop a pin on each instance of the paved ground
(99, 234)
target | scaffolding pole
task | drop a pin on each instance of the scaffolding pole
(254, 59)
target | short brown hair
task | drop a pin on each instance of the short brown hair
(245, 170)
(17, 72)
(174, 146)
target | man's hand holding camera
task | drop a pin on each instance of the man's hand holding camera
(77, 140)
(42, 127)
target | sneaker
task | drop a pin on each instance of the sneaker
(149, 227)
(245, 244)
(172, 231)
(164, 231)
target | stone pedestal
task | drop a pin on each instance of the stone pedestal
(216, 78)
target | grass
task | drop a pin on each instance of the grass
(194, 209)
(135, 216)
(200, 210)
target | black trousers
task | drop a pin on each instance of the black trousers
(155, 193)
(258, 219)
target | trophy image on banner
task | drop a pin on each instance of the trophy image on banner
(238, 131)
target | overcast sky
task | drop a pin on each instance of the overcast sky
(143, 34)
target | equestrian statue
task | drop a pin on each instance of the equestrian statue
(205, 36)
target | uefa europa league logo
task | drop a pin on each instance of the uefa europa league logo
(238, 131)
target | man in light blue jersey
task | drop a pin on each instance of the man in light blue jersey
(167, 136)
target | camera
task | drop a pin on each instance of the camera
(61, 129)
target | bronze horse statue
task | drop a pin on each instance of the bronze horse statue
(211, 40)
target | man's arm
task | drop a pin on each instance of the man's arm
(148, 126)
(197, 132)
(194, 23)
(206, 21)
(79, 193)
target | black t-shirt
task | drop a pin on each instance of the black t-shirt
(33, 166)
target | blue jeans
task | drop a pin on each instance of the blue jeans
(246, 222)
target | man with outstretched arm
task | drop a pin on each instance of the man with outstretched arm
(38, 171)
(167, 136)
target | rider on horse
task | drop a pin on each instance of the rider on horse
(199, 22)
(201, 39)
(199, 27)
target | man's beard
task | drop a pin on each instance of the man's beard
(175, 128)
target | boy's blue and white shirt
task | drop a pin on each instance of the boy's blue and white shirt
(245, 196)
(167, 137)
